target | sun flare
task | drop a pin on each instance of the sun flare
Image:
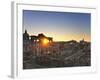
(45, 41)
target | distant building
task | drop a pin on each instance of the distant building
(34, 38)
(42, 36)
(50, 39)
(25, 35)
(83, 42)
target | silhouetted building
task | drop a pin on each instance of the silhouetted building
(50, 39)
(34, 38)
(42, 36)
(83, 41)
(25, 35)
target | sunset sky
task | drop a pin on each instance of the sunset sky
(62, 26)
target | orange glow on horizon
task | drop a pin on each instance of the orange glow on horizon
(66, 37)
(62, 38)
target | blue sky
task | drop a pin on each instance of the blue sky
(62, 26)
